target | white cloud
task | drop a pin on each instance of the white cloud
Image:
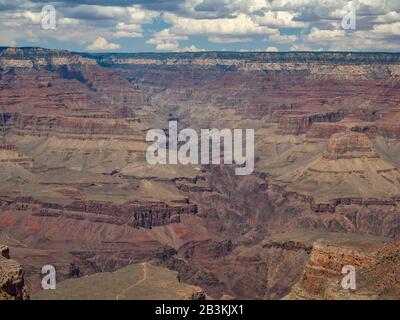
(392, 16)
(101, 44)
(220, 21)
(387, 29)
(241, 25)
(272, 49)
(167, 35)
(317, 35)
(166, 41)
(125, 30)
(33, 17)
(215, 39)
(364, 41)
(281, 19)
(68, 21)
(283, 38)
(191, 48)
(142, 16)
(166, 46)
(300, 47)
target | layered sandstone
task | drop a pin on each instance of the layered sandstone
(10, 154)
(90, 199)
(376, 270)
(12, 286)
(349, 145)
(298, 124)
(349, 172)
(324, 130)
(133, 214)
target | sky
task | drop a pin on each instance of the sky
(203, 25)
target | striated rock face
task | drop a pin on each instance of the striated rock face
(376, 267)
(39, 57)
(323, 272)
(389, 130)
(298, 124)
(12, 286)
(288, 245)
(76, 188)
(135, 214)
(349, 145)
(324, 130)
(9, 154)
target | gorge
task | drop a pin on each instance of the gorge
(76, 188)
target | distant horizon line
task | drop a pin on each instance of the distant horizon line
(200, 52)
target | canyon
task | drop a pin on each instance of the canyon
(76, 189)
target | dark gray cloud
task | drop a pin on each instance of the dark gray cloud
(90, 19)
(160, 5)
(10, 6)
(308, 14)
(209, 6)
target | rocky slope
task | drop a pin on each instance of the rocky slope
(349, 171)
(135, 282)
(376, 267)
(76, 187)
(12, 286)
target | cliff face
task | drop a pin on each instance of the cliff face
(350, 145)
(298, 124)
(376, 267)
(12, 286)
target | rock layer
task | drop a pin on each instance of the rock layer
(376, 269)
(12, 286)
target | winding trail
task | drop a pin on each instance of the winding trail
(121, 294)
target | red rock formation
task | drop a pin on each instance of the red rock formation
(134, 214)
(376, 269)
(77, 204)
(349, 145)
(298, 124)
(324, 130)
(12, 286)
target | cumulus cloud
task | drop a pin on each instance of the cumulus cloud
(239, 25)
(224, 23)
(392, 16)
(272, 49)
(387, 29)
(33, 17)
(317, 35)
(216, 39)
(126, 30)
(281, 19)
(101, 44)
(302, 47)
(191, 48)
(283, 38)
(166, 41)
